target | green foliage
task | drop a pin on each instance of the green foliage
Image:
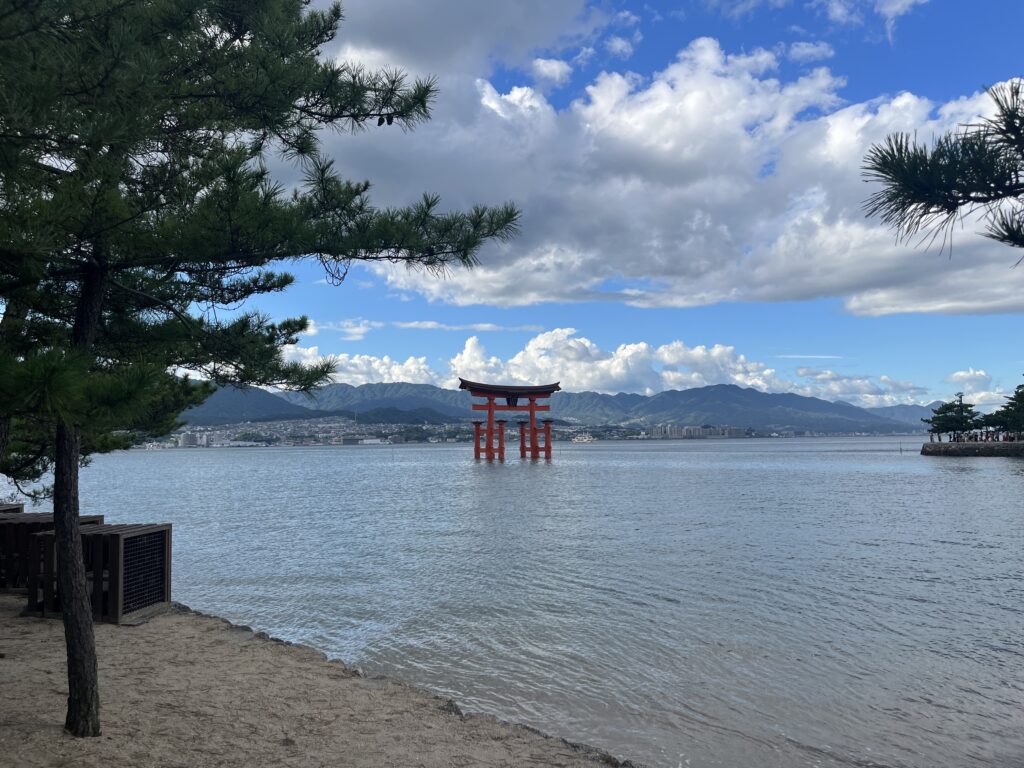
(1010, 417)
(115, 405)
(978, 168)
(954, 417)
(138, 215)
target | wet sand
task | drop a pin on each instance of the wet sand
(188, 690)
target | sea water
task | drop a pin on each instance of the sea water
(805, 602)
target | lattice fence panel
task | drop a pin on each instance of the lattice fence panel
(144, 568)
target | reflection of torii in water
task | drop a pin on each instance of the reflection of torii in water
(512, 395)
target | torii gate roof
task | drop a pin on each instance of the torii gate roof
(508, 390)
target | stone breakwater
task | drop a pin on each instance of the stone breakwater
(973, 449)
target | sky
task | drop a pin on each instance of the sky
(689, 176)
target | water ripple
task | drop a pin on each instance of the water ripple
(708, 603)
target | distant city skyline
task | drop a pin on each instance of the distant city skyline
(689, 175)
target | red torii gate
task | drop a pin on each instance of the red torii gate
(511, 395)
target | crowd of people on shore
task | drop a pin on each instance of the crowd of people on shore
(980, 436)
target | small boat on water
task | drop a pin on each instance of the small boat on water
(584, 437)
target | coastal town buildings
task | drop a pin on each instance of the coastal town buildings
(677, 432)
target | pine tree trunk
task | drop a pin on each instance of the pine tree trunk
(83, 716)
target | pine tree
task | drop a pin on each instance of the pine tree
(135, 201)
(954, 417)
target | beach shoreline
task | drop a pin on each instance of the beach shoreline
(185, 688)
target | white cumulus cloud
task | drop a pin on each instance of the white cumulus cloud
(804, 52)
(862, 390)
(971, 380)
(853, 11)
(841, 11)
(552, 71)
(352, 329)
(714, 180)
(619, 46)
(580, 364)
(365, 369)
(976, 384)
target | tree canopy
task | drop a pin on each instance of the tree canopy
(138, 216)
(978, 168)
(954, 417)
(1010, 416)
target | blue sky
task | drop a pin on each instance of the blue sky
(689, 179)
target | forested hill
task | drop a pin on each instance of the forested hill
(233, 405)
(719, 405)
(345, 397)
(908, 414)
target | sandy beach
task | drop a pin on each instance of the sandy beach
(183, 689)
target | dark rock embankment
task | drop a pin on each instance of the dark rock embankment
(973, 449)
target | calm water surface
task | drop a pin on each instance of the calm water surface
(697, 603)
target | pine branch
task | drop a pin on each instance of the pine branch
(978, 169)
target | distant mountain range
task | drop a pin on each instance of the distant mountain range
(233, 405)
(907, 414)
(345, 397)
(729, 405)
(719, 405)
